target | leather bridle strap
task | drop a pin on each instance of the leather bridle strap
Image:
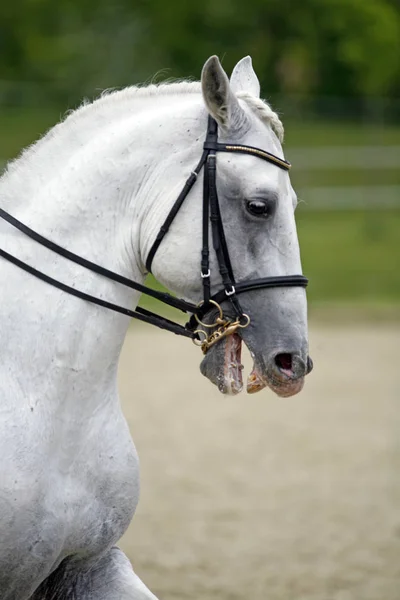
(252, 285)
(174, 210)
(219, 240)
(91, 266)
(205, 272)
(140, 313)
(249, 286)
(217, 227)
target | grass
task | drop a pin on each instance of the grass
(351, 255)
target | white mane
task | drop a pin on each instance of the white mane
(125, 96)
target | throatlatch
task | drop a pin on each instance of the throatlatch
(210, 333)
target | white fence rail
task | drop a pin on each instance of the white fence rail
(352, 197)
(345, 157)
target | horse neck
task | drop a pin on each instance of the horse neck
(93, 204)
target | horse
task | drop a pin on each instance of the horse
(102, 184)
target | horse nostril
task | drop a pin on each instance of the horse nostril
(284, 361)
(292, 365)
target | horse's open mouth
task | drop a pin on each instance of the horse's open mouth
(232, 379)
(223, 366)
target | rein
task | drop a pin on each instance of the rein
(211, 213)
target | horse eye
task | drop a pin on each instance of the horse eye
(258, 208)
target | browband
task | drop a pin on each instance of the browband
(242, 149)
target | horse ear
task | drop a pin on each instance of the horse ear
(244, 79)
(221, 102)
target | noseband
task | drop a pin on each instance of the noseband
(222, 326)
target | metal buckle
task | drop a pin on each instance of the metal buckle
(205, 275)
(231, 291)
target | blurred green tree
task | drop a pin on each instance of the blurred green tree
(347, 48)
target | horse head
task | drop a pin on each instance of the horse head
(257, 204)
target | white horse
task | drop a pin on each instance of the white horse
(100, 184)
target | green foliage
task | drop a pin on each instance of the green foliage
(19, 128)
(362, 45)
(73, 47)
(342, 47)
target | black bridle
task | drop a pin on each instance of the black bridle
(211, 213)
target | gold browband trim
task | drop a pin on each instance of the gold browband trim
(270, 157)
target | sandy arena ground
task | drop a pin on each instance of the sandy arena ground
(261, 498)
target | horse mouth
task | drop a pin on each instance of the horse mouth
(231, 381)
(222, 365)
(283, 387)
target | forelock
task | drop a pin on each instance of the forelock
(264, 112)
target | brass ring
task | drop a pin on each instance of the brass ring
(219, 320)
(200, 342)
(247, 321)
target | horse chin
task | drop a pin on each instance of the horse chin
(284, 387)
(222, 365)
